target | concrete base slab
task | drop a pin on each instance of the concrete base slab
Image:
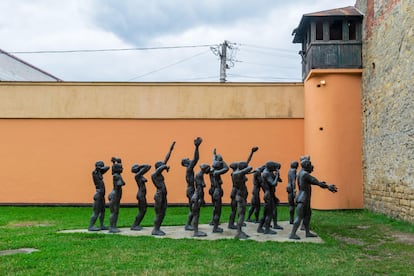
(178, 232)
(18, 251)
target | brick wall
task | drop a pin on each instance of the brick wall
(388, 107)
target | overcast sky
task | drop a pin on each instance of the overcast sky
(184, 36)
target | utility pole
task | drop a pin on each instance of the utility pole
(223, 61)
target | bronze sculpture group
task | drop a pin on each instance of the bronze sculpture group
(265, 178)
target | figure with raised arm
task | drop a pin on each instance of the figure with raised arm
(303, 199)
(99, 197)
(197, 200)
(236, 189)
(189, 178)
(291, 189)
(139, 171)
(219, 167)
(160, 197)
(116, 194)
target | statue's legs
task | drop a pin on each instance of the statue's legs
(275, 225)
(142, 210)
(217, 215)
(113, 218)
(160, 207)
(232, 217)
(291, 208)
(102, 215)
(263, 219)
(188, 226)
(241, 207)
(196, 216)
(306, 221)
(297, 221)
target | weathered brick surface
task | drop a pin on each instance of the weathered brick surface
(388, 106)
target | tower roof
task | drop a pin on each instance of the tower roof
(300, 31)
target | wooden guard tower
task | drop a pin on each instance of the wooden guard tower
(331, 58)
(330, 39)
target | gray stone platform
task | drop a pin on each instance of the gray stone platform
(178, 232)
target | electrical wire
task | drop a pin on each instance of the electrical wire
(169, 65)
(113, 49)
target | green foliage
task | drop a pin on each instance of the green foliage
(357, 242)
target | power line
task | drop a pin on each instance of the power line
(113, 49)
(169, 65)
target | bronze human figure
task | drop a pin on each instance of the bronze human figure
(116, 194)
(189, 178)
(139, 171)
(270, 180)
(303, 199)
(233, 201)
(239, 180)
(197, 200)
(99, 197)
(255, 200)
(276, 200)
(291, 189)
(218, 168)
(160, 197)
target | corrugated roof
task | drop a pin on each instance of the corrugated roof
(298, 32)
(14, 69)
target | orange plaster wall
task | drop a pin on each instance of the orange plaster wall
(51, 160)
(336, 149)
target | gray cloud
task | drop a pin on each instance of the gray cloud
(137, 22)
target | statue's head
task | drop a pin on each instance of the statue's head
(294, 164)
(270, 166)
(277, 166)
(234, 166)
(205, 168)
(219, 157)
(217, 165)
(304, 157)
(100, 166)
(306, 165)
(117, 168)
(135, 168)
(185, 162)
(243, 165)
(158, 164)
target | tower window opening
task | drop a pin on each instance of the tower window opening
(335, 30)
(352, 30)
(319, 30)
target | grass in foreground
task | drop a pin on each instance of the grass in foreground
(357, 242)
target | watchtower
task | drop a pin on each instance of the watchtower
(330, 39)
(332, 69)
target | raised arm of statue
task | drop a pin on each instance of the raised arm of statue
(143, 169)
(167, 157)
(197, 143)
(254, 149)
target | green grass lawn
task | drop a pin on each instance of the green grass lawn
(357, 242)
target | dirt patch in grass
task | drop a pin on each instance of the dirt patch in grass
(403, 237)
